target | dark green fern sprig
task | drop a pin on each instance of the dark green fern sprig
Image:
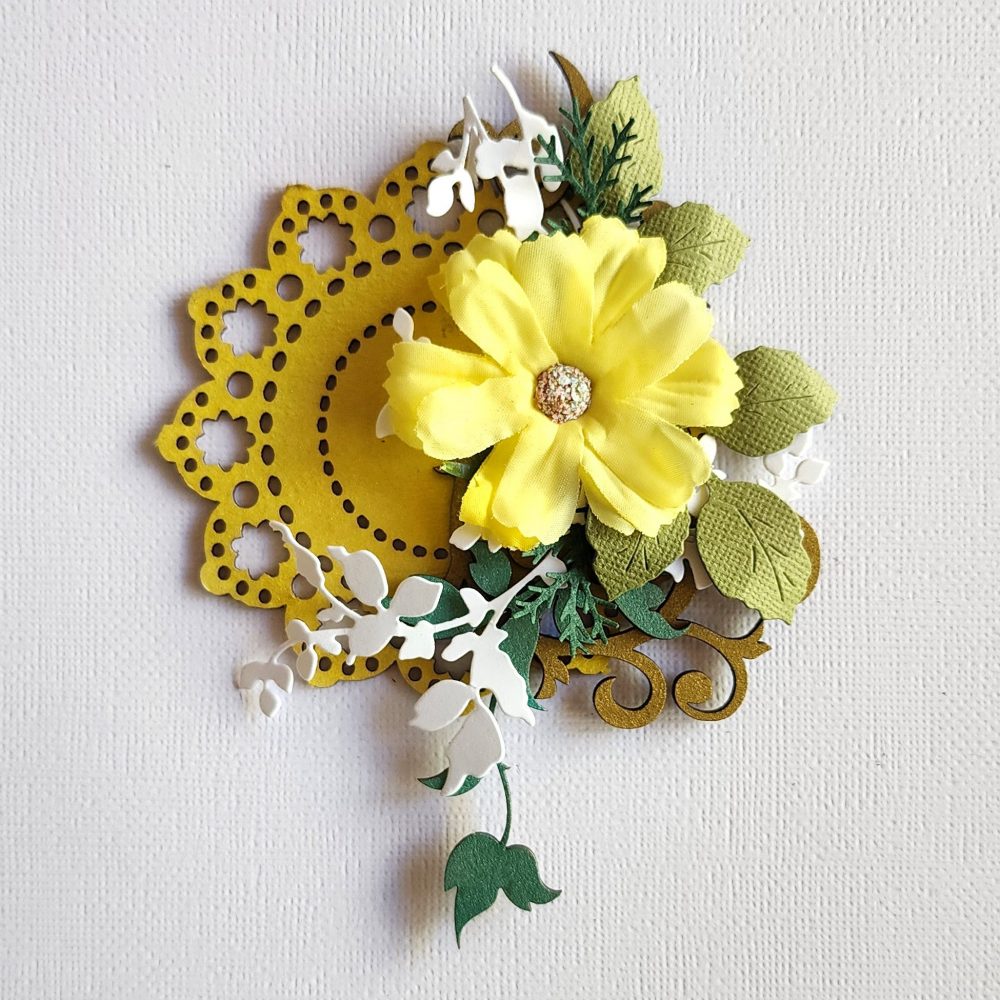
(593, 173)
(578, 613)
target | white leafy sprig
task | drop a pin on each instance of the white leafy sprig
(357, 633)
(508, 161)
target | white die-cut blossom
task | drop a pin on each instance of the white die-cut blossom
(477, 157)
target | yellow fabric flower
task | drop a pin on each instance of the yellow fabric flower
(587, 378)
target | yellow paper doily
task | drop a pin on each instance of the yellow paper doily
(311, 400)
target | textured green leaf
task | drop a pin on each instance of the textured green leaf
(640, 607)
(644, 167)
(703, 246)
(521, 882)
(490, 570)
(781, 397)
(480, 866)
(436, 781)
(751, 543)
(522, 638)
(624, 562)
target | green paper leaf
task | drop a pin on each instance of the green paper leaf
(463, 468)
(781, 397)
(475, 869)
(450, 605)
(703, 246)
(624, 562)
(480, 866)
(436, 781)
(640, 607)
(751, 543)
(643, 169)
(522, 638)
(490, 570)
(522, 885)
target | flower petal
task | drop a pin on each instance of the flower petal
(477, 502)
(441, 704)
(538, 489)
(418, 369)
(492, 310)
(501, 247)
(701, 392)
(641, 468)
(462, 420)
(653, 339)
(556, 273)
(477, 747)
(625, 267)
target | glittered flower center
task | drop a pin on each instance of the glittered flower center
(562, 393)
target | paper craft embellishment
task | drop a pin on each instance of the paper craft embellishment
(485, 442)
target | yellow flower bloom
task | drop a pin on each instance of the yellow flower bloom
(587, 378)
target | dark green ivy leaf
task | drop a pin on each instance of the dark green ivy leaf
(522, 885)
(640, 607)
(522, 638)
(490, 570)
(436, 781)
(450, 605)
(480, 866)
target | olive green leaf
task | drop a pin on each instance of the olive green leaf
(751, 543)
(640, 607)
(624, 562)
(643, 167)
(703, 246)
(781, 397)
(490, 570)
(480, 866)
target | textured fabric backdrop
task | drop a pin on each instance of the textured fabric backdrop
(835, 838)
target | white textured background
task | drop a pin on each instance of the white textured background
(837, 838)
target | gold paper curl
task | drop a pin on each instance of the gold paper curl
(618, 715)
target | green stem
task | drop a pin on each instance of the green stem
(502, 771)
(506, 794)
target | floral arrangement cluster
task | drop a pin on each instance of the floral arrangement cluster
(572, 386)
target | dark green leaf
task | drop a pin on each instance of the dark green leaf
(436, 781)
(640, 607)
(475, 869)
(522, 638)
(450, 605)
(480, 866)
(521, 882)
(490, 570)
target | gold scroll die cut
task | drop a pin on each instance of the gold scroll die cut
(692, 688)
